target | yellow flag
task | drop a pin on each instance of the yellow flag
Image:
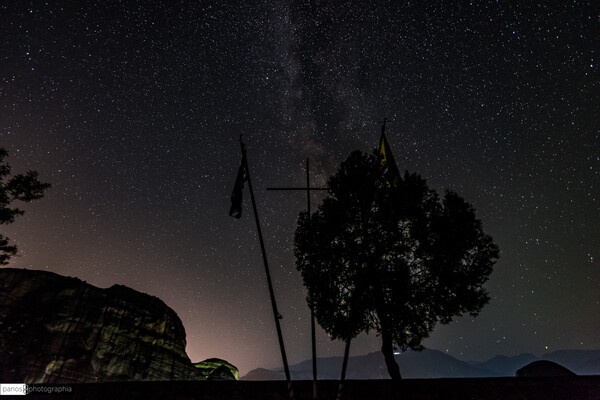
(387, 160)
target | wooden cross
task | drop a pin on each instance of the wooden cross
(312, 310)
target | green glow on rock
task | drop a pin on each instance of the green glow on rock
(217, 369)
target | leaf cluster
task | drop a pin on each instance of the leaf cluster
(23, 187)
(383, 253)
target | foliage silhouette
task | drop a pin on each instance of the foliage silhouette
(387, 254)
(23, 187)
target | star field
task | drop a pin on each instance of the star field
(132, 110)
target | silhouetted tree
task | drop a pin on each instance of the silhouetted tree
(24, 187)
(389, 255)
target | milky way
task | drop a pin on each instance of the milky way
(132, 110)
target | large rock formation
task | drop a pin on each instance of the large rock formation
(55, 329)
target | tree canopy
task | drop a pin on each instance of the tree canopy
(23, 187)
(390, 255)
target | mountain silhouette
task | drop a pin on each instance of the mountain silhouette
(432, 364)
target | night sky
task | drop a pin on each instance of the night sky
(132, 110)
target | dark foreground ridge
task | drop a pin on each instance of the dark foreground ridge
(564, 388)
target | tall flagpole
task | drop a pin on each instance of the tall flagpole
(276, 314)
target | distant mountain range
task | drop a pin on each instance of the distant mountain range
(432, 364)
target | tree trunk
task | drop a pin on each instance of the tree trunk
(387, 349)
(344, 365)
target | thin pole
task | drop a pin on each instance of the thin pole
(383, 123)
(312, 306)
(312, 309)
(276, 314)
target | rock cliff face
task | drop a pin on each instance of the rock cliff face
(55, 329)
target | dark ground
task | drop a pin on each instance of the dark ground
(563, 388)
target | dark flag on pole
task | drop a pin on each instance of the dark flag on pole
(236, 196)
(236, 212)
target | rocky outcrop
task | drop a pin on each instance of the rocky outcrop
(215, 369)
(55, 329)
(543, 368)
